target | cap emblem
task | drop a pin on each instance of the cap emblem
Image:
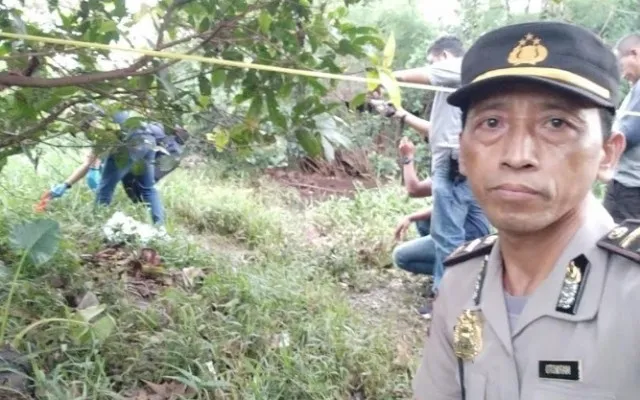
(529, 50)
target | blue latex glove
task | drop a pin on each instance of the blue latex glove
(59, 190)
(93, 178)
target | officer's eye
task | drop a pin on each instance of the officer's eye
(491, 122)
(557, 123)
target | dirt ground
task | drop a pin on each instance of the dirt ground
(317, 186)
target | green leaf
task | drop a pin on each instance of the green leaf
(255, 109)
(264, 20)
(218, 76)
(65, 91)
(89, 313)
(133, 122)
(146, 81)
(372, 77)
(369, 39)
(274, 112)
(205, 24)
(205, 85)
(38, 238)
(389, 52)
(104, 327)
(309, 142)
(328, 127)
(391, 86)
(220, 139)
(108, 26)
(357, 101)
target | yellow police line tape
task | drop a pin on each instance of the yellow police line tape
(229, 63)
(217, 61)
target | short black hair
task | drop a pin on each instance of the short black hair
(606, 121)
(628, 42)
(449, 43)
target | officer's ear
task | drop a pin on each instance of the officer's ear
(612, 148)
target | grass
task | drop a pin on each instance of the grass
(274, 318)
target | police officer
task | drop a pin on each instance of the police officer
(548, 308)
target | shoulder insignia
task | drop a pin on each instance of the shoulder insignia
(478, 247)
(624, 240)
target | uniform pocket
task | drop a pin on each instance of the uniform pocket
(550, 391)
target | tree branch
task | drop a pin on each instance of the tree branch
(9, 79)
(9, 141)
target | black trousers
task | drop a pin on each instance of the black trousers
(622, 202)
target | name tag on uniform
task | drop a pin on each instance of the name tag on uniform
(559, 370)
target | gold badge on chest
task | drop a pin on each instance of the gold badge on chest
(467, 335)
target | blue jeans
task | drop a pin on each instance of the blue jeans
(419, 255)
(456, 217)
(141, 153)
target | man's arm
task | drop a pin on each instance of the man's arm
(415, 187)
(629, 125)
(414, 75)
(82, 170)
(421, 215)
(421, 125)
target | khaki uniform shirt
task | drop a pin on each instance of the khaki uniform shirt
(588, 351)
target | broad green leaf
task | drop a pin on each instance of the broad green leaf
(274, 112)
(108, 26)
(328, 127)
(218, 76)
(205, 85)
(391, 86)
(255, 109)
(38, 238)
(146, 81)
(369, 39)
(104, 327)
(65, 91)
(264, 20)
(309, 142)
(372, 80)
(90, 313)
(357, 101)
(205, 24)
(133, 122)
(220, 139)
(389, 52)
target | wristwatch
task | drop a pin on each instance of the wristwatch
(406, 160)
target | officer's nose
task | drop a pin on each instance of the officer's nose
(519, 146)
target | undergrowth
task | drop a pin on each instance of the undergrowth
(272, 324)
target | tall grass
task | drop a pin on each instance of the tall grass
(269, 321)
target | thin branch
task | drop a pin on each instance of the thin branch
(42, 124)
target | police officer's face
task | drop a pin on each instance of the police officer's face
(532, 156)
